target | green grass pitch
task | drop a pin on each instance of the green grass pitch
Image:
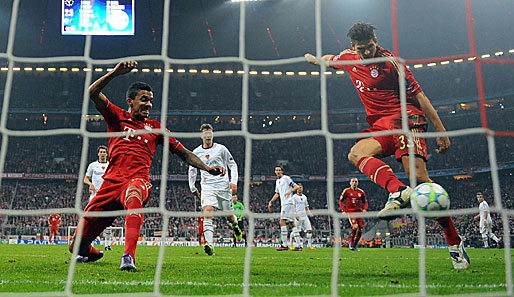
(188, 271)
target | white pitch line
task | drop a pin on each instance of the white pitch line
(290, 284)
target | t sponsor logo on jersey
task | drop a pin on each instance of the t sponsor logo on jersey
(354, 69)
(374, 72)
(149, 128)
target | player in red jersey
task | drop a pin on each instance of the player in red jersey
(54, 221)
(126, 182)
(201, 237)
(378, 87)
(350, 201)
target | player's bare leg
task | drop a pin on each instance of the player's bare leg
(364, 156)
(208, 230)
(459, 256)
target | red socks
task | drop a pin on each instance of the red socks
(356, 238)
(379, 173)
(452, 236)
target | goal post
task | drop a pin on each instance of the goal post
(117, 235)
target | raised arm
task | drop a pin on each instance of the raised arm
(191, 159)
(95, 90)
(443, 142)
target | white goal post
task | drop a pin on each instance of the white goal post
(117, 235)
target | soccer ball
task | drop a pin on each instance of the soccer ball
(430, 197)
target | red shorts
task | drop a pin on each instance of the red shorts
(112, 196)
(359, 221)
(54, 230)
(397, 144)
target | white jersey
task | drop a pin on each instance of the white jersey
(95, 172)
(484, 207)
(216, 155)
(282, 186)
(300, 202)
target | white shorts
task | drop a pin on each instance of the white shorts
(303, 224)
(484, 230)
(221, 199)
(287, 213)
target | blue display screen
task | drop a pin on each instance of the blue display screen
(97, 17)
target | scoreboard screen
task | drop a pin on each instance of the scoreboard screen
(97, 17)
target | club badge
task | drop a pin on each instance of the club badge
(374, 71)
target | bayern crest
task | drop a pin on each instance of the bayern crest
(374, 72)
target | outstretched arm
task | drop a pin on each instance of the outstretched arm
(443, 142)
(95, 90)
(191, 159)
(312, 59)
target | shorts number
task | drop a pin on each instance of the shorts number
(403, 143)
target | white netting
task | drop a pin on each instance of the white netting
(249, 137)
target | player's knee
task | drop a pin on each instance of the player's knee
(354, 156)
(134, 197)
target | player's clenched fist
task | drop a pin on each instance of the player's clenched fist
(124, 67)
(311, 59)
(443, 144)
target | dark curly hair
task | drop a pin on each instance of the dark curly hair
(134, 88)
(361, 31)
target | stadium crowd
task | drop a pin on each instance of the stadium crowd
(33, 195)
(196, 98)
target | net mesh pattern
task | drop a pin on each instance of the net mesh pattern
(249, 137)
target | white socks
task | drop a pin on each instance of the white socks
(208, 231)
(108, 232)
(309, 239)
(283, 235)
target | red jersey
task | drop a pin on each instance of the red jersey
(131, 156)
(351, 199)
(54, 220)
(378, 84)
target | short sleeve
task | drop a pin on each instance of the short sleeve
(175, 145)
(111, 113)
(345, 55)
(411, 85)
(89, 171)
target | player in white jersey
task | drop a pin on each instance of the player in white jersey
(217, 191)
(302, 222)
(94, 179)
(284, 188)
(486, 223)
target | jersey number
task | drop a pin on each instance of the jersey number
(359, 85)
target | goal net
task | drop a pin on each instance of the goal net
(323, 129)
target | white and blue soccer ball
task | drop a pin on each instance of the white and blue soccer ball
(429, 197)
